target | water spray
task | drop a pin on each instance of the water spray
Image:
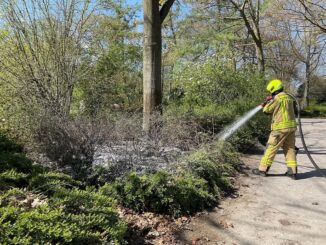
(232, 128)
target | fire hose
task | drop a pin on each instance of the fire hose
(303, 140)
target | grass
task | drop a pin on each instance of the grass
(315, 110)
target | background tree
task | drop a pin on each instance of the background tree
(250, 13)
(279, 48)
(306, 39)
(314, 11)
(114, 61)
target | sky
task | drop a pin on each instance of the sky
(134, 1)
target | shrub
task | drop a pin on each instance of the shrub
(12, 197)
(15, 161)
(92, 211)
(182, 130)
(42, 225)
(162, 193)
(69, 142)
(191, 194)
(12, 157)
(203, 177)
(314, 110)
(215, 82)
(46, 225)
(70, 217)
(215, 94)
(215, 165)
(11, 178)
(49, 182)
(8, 145)
(226, 153)
(203, 167)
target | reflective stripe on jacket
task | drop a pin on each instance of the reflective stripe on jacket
(282, 110)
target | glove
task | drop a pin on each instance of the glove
(267, 99)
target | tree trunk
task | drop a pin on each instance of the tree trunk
(260, 57)
(152, 84)
(305, 101)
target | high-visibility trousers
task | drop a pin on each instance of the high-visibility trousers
(284, 138)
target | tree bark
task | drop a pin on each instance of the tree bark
(152, 58)
(260, 56)
(152, 85)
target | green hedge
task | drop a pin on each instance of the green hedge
(314, 110)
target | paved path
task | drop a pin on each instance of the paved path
(276, 209)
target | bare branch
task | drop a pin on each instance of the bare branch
(43, 47)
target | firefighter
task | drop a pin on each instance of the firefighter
(281, 106)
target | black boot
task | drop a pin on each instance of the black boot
(290, 173)
(267, 170)
(296, 150)
(256, 171)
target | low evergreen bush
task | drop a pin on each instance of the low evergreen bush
(52, 225)
(11, 178)
(162, 193)
(42, 207)
(49, 182)
(70, 216)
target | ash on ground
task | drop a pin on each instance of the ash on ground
(142, 156)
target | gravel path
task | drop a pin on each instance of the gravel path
(272, 210)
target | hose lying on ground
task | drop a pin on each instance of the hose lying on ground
(303, 140)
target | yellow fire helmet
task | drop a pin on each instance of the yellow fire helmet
(274, 85)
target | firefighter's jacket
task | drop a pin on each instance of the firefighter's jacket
(282, 110)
